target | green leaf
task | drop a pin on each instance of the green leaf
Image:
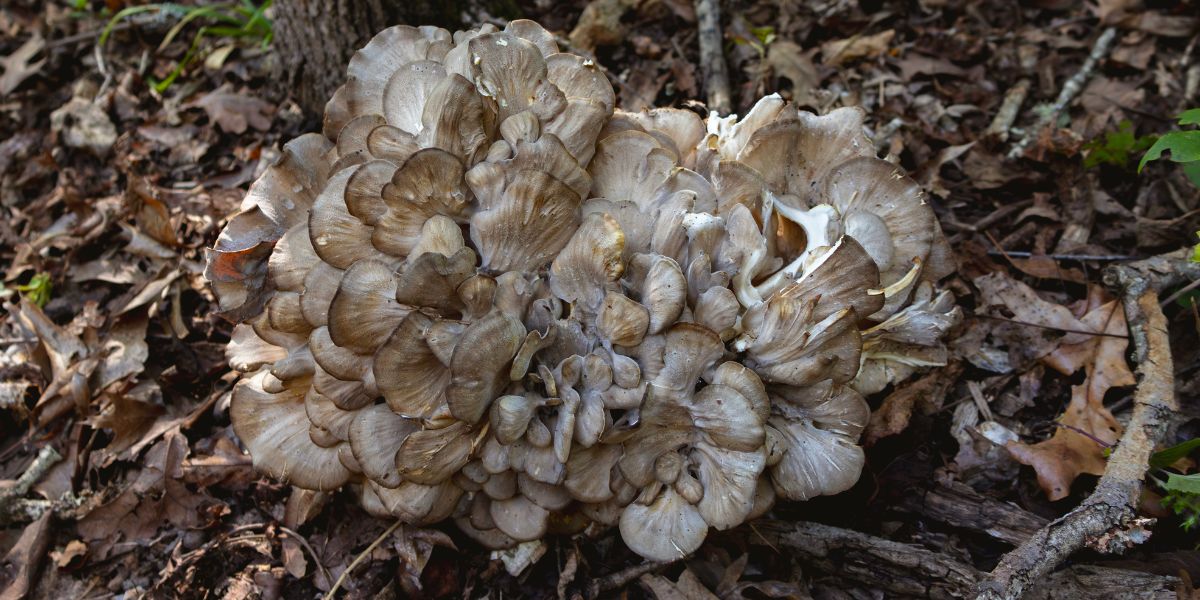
(38, 289)
(1165, 458)
(765, 35)
(1115, 147)
(1184, 147)
(1184, 484)
(1192, 171)
(1190, 117)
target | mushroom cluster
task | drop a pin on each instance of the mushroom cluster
(485, 294)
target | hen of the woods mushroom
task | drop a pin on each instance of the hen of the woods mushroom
(485, 295)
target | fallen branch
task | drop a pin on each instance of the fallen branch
(621, 578)
(959, 505)
(891, 566)
(912, 570)
(1107, 519)
(1070, 90)
(712, 57)
(13, 508)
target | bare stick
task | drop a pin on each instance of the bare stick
(1069, 91)
(1009, 108)
(1104, 517)
(712, 56)
(10, 498)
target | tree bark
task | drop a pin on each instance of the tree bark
(316, 38)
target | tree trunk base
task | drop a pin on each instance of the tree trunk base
(316, 38)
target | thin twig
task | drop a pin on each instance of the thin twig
(712, 57)
(1051, 327)
(1075, 257)
(86, 35)
(1111, 508)
(304, 542)
(1070, 90)
(361, 557)
(1181, 291)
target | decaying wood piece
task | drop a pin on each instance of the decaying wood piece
(910, 570)
(959, 505)
(712, 57)
(892, 566)
(621, 578)
(1107, 520)
(1089, 581)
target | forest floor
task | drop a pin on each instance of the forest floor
(115, 175)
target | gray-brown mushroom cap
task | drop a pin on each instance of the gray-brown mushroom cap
(487, 294)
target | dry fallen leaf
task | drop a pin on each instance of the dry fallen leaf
(1040, 326)
(925, 394)
(234, 112)
(18, 570)
(789, 61)
(71, 555)
(414, 547)
(600, 24)
(687, 588)
(836, 52)
(128, 418)
(1087, 428)
(154, 498)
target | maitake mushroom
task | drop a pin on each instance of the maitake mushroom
(462, 304)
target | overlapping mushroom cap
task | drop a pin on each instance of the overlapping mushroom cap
(484, 295)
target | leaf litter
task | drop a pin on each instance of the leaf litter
(113, 192)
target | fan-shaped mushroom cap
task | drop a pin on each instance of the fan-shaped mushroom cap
(408, 372)
(908, 340)
(431, 456)
(668, 529)
(416, 503)
(276, 202)
(507, 236)
(480, 365)
(885, 211)
(818, 428)
(589, 263)
(823, 142)
(372, 66)
(376, 434)
(274, 427)
(364, 310)
(483, 295)
(784, 343)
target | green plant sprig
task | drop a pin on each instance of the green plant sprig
(240, 20)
